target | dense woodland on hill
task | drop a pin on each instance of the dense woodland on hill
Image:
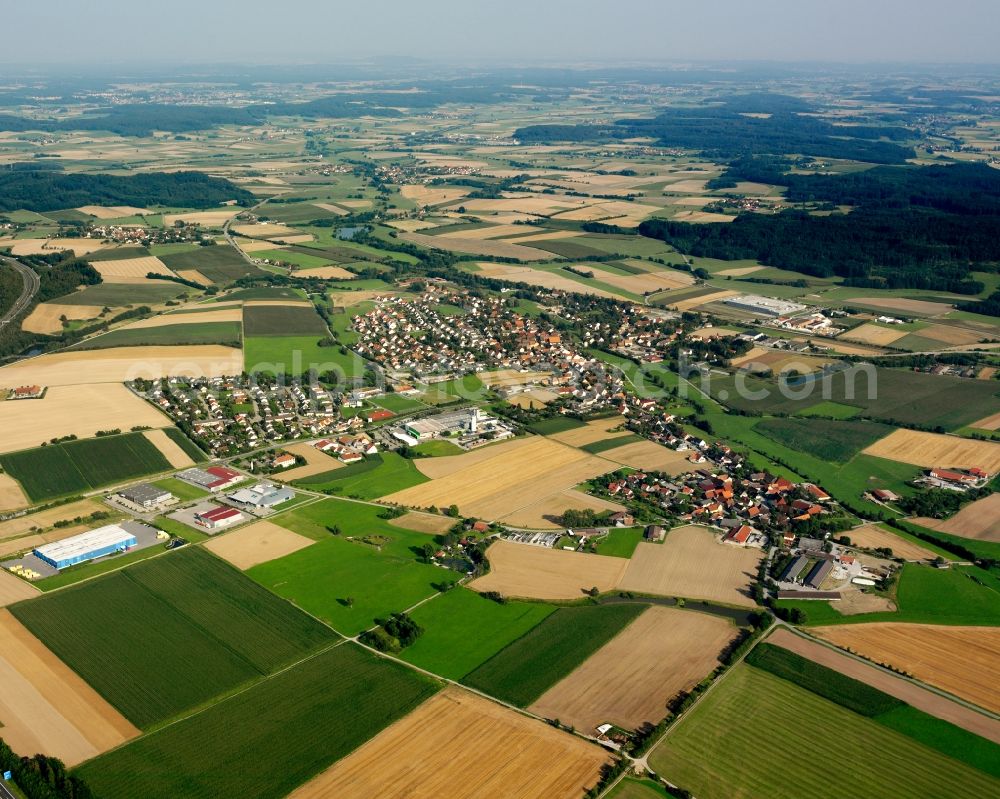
(50, 189)
(725, 131)
(911, 227)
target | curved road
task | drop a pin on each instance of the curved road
(31, 285)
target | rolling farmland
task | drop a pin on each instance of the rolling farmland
(751, 703)
(186, 628)
(524, 670)
(303, 718)
(78, 466)
(433, 751)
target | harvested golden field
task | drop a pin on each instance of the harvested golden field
(552, 235)
(869, 333)
(872, 536)
(651, 457)
(345, 299)
(845, 348)
(412, 225)
(630, 679)
(960, 660)
(470, 246)
(989, 423)
(742, 271)
(538, 277)
(462, 746)
(253, 245)
(316, 462)
(432, 195)
(489, 232)
(532, 572)
(112, 211)
(915, 695)
(514, 478)
(686, 187)
(951, 335)
(170, 450)
(191, 317)
(424, 523)
(48, 246)
(546, 514)
(445, 465)
(979, 520)
(333, 209)
(646, 283)
(195, 275)
(11, 495)
(533, 398)
(932, 449)
(326, 273)
(694, 302)
(264, 230)
(915, 307)
(14, 589)
(46, 318)
(204, 218)
(131, 267)
(278, 303)
(693, 563)
(257, 543)
(597, 430)
(118, 364)
(702, 217)
(781, 361)
(46, 707)
(502, 378)
(73, 410)
(46, 518)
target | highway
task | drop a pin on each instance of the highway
(5, 792)
(31, 285)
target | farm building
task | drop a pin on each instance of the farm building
(214, 478)
(794, 569)
(86, 546)
(218, 517)
(819, 573)
(145, 495)
(262, 495)
(27, 392)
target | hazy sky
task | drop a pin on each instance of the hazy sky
(328, 31)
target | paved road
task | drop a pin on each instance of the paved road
(5, 793)
(31, 285)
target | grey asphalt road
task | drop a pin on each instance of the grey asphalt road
(31, 285)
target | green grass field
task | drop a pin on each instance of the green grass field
(435, 449)
(322, 578)
(221, 264)
(631, 788)
(190, 448)
(835, 441)
(961, 595)
(185, 492)
(297, 355)
(166, 635)
(557, 424)
(305, 260)
(524, 670)
(872, 703)
(899, 395)
(268, 740)
(620, 543)
(397, 403)
(833, 410)
(167, 336)
(75, 466)
(463, 629)
(597, 447)
(802, 730)
(374, 477)
(282, 320)
(119, 295)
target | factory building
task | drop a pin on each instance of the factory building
(86, 546)
(764, 306)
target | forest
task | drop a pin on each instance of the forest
(911, 227)
(51, 189)
(725, 131)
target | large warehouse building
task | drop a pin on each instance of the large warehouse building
(87, 546)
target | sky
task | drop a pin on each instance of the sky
(176, 32)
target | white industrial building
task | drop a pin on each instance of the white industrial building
(765, 306)
(86, 546)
